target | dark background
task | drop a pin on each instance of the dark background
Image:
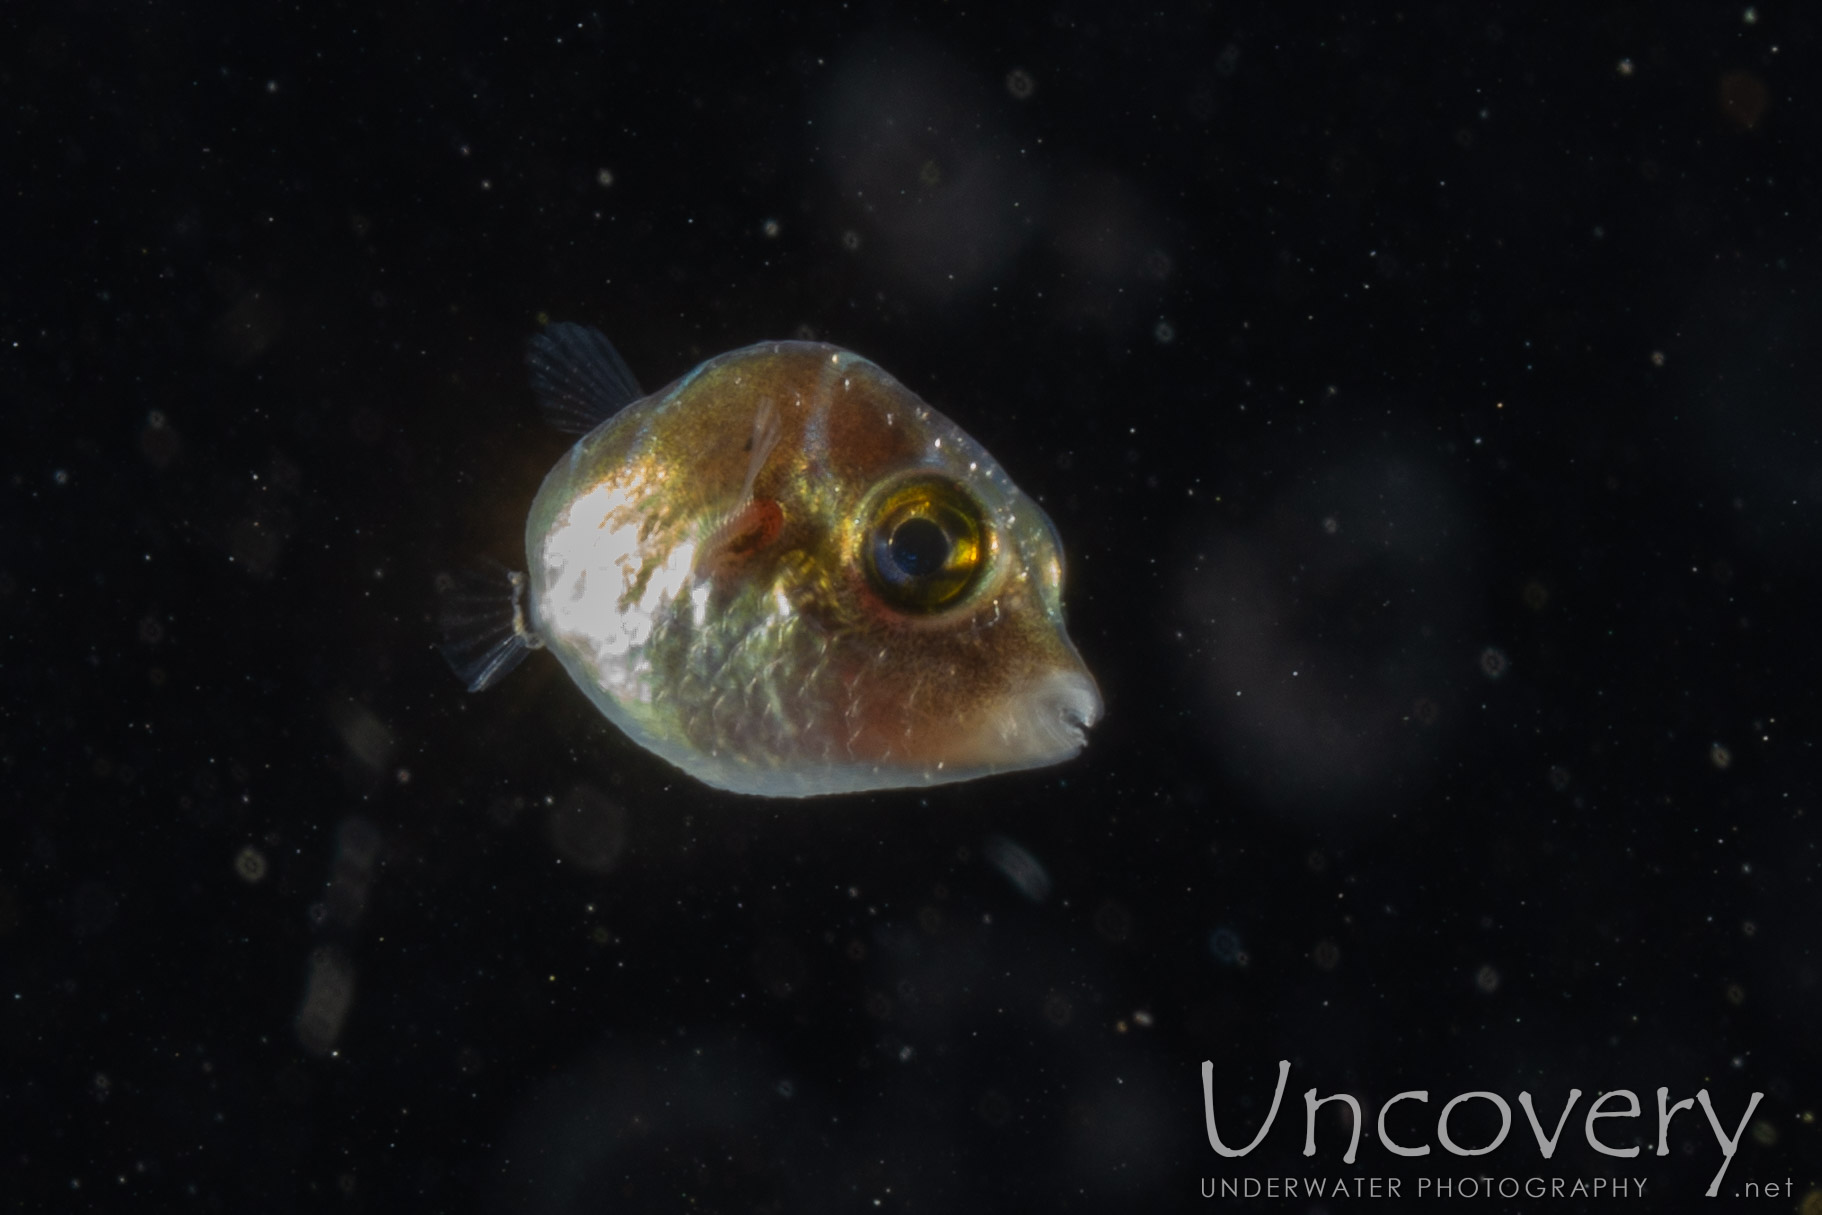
(1428, 403)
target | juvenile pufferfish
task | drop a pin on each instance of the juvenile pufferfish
(787, 575)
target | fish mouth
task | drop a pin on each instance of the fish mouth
(1044, 722)
(1066, 704)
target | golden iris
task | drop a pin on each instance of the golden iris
(926, 545)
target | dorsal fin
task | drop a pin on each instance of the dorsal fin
(580, 379)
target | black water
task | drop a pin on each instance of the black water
(1427, 401)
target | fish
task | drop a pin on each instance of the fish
(786, 575)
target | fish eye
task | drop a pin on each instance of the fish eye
(927, 545)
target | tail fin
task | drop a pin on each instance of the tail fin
(482, 614)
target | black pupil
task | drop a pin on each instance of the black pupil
(919, 547)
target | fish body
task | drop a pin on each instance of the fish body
(787, 575)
